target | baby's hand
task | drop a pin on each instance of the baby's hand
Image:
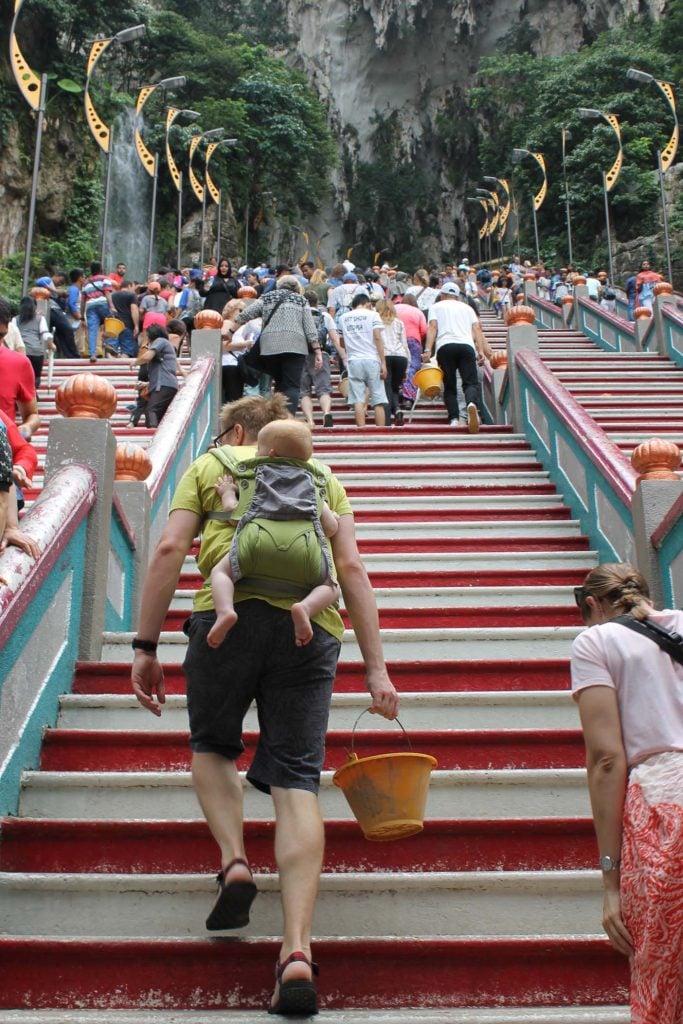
(226, 489)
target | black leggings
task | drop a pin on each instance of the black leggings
(456, 358)
(396, 371)
(231, 383)
(286, 370)
(37, 364)
(157, 404)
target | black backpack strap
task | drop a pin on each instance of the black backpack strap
(672, 643)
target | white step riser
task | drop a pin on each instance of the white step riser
(444, 904)
(448, 597)
(121, 796)
(453, 561)
(522, 644)
(398, 530)
(543, 710)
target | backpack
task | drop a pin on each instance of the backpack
(279, 546)
(341, 309)
(323, 333)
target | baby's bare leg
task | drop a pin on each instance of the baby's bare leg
(303, 611)
(329, 520)
(223, 591)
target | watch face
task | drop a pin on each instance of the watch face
(607, 864)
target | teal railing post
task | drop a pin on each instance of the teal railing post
(207, 341)
(522, 334)
(664, 296)
(89, 443)
(652, 502)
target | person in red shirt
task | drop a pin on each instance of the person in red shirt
(645, 282)
(24, 458)
(118, 278)
(17, 382)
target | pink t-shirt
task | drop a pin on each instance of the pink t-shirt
(413, 320)
(649, 684)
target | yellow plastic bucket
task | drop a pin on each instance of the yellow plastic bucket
(113, 327)
(386, 792)
(429, 380)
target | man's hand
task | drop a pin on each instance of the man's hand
(385, 700)
(426, 357)
(383, 372)
(20, 476)
(13, 535)
(147, 679)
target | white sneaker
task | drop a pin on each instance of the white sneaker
(455, 423)
(472, 418)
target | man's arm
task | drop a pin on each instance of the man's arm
(481, 344)
(135, 317)
(147, 675)
(145, 356)
(12, 534)
(429, 343)
(30, 419)
(359, 601)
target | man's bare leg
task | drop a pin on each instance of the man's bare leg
(307, 409)
(380, 416)
(359, 413)
(219, 791)
(299, 847)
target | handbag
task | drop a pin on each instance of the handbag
(672, 643)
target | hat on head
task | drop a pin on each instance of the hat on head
(195, 274)
(153, 286)
(348, 278)
(450, 289)
(44, 282)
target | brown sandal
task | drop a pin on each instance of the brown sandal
(295, 998)
(231, 909)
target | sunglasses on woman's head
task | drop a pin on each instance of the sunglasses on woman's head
(579, 595)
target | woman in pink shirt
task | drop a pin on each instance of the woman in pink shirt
(630, 696)
(415, 323)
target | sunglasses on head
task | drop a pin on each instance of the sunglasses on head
(579, 594)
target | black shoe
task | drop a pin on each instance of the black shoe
(328, 421)
(398, 419)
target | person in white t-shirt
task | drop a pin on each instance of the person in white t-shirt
(630, 696)
(454, 333)
(362, 329)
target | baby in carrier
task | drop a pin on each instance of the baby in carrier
(282, 535)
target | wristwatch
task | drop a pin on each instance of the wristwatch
(608, 863)
(149, 646)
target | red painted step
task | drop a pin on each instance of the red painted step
(91, 750)
(456, 515)
(486, 463)
(224, 973)
(434, 545)
(413, 677)
(535, 844)
(355, 490)
(447, 618)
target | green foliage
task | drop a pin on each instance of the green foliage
(520, 100)
(76, 246)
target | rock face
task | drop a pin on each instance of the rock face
(373, 57)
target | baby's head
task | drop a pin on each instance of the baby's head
(288, 439)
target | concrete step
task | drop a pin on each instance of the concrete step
(448, 597)
(513, 528)
(424, 645)
(104, 796)
(448, 904)
(540, 709)
(412, 1015)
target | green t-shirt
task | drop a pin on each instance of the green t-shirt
(196, 493)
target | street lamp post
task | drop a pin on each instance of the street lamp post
(537, 200)
(502, 184)
(491, 199)
(483, 230)
(666, 156)
(171, 114)
(103, 134)
(215, 193)
(609, 177)
(197, 187)
(149, 160)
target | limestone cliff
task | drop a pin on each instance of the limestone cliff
(416, 57)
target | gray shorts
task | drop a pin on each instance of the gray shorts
(316, 379)
(292, 687)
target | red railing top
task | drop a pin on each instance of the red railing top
(544, 304)
(673, 312)
(602, 452)
(170, 433)
(52, 521)
(622, 325)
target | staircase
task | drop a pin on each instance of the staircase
(490, 916)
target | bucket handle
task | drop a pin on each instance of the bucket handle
(367, 712)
